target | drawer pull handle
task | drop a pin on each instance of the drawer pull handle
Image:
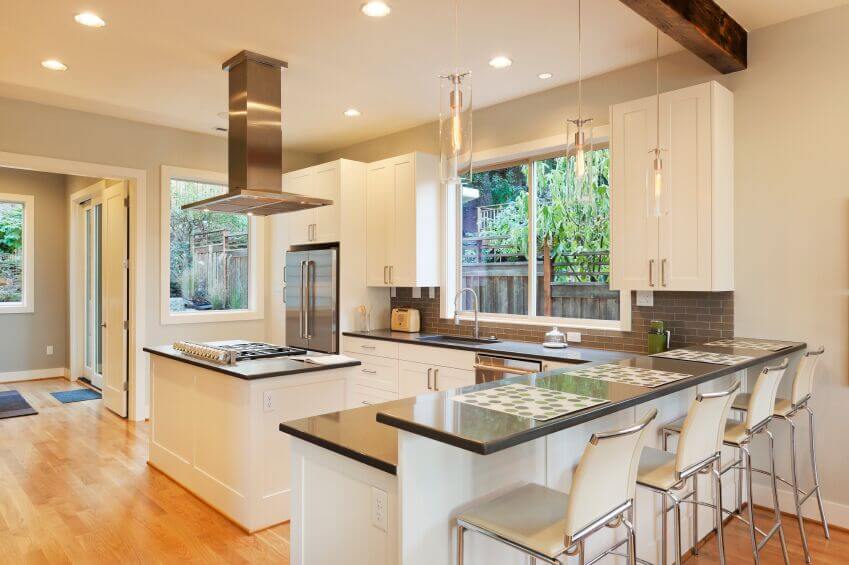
(367, 346)
(369, 371)
(366, 402)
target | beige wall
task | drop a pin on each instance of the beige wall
(24, 337)
(791, 191)
(35, 129)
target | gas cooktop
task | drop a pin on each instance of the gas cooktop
(231, 353)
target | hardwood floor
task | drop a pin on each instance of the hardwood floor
(75, 488)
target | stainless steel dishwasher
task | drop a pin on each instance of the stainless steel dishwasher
(490, 368)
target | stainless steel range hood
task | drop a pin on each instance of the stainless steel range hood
(255, 143)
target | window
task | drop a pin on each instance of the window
(16, 253)
(523, 222)
(211, 258)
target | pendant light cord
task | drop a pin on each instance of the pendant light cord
(657, 84)
(580, 68)
(456, 36)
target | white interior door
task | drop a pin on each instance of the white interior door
(115, 274)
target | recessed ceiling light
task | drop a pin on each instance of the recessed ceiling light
(352, 113)
(375, 9)
(54, 65)
(500, 62)
(545, 76)
(89, 19)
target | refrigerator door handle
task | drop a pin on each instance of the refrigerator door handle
(310, 295)
(301, 313)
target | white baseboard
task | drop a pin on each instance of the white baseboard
(15, 376)
(835, 513)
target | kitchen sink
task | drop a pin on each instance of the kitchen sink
(458, 339)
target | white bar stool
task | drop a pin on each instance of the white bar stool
(803, 386)
(698, 452)
(531, 518)
(739, 435)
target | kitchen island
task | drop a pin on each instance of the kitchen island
(397, 504)
(213, 428)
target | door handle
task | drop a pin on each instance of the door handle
(310, 296)
(369, 371)
(429, 371)
(651, 272)
(436, 379)
(390, 274)
(368, 346)
(301, 313)
(385, 280)
(663, 272)
(366, 402)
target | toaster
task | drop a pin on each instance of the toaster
(405, 320)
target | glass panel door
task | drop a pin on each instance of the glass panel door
(93, 296)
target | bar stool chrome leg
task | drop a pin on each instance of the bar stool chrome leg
(776, 508)
(695, 533)
(795, 476)
(663, 535)
(460, 538)
(716, 473)
(815, 471)
(747, 463)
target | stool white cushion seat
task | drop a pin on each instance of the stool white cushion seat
(735, 432)
(532, 515)
(657, 469)
(782, 405)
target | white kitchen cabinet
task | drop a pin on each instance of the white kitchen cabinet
(690, 246)
(414, 379)
(448, 378)
(319, 225)
(403, 221)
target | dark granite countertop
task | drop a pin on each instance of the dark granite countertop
(248, 370)
(571, 354)
(369, 435)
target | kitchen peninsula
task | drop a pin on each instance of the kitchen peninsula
(213, 427)
(406, 468)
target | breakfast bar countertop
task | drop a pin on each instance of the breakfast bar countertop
(369, 435)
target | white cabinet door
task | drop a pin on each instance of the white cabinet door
(403, 243)
(380, 222)
(300, 182)
(685, 226)
(414, 378)
(327, 185)
(634, 231)
(448, 378)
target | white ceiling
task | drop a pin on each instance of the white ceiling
(159, 61)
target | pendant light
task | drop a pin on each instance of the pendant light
(580, 134)
(655, 178)
(455, 117)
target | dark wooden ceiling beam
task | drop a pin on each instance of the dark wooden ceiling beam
(701, 26)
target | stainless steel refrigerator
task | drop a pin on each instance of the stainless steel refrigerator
(311, 295)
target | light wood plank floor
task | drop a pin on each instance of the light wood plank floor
(75, 488)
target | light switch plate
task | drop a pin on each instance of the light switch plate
(645, 298)
(574, 337)
(379, 509)
(50, 350)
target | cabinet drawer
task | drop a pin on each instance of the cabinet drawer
(363, 395)
(376, 372)
(442, 356)
(378, 347)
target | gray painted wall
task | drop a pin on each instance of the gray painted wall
(24, 337)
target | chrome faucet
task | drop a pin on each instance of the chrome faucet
(457, 309)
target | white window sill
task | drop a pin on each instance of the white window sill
(567, 323)
(16, 308)
(211, 317)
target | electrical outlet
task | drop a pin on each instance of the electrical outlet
(417, 292)
(379, 509)
(574, 337)
(267, 402)
(50, 350)
(645, 298)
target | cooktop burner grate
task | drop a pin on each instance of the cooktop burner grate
(257, 350)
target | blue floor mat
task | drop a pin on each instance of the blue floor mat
(77, 395)
(12, 404)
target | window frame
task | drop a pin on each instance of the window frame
(256, 256)
(27, 304)
(523, 153)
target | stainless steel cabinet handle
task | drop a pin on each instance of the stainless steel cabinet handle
(663, 272)
(512, 370)
(366, 402)
(385, 280)
(429, 371)
(651, 272)
(369, 371)
(390, 274)
(436, 379)
(367, 346)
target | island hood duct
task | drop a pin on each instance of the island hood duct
(255, 143)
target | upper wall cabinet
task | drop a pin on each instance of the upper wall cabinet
(403, 221)
(318, 225)
(690, 246)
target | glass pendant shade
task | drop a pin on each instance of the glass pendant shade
(580, 135)
(455, 126)
(656, 183)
